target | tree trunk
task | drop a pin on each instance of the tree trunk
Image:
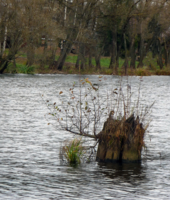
(117, 60)
(120, 141)
(77, 62)
(113, 49)
(82, 56)
(0, 50)
(126, 56)
(97, 59)
(3, 65)
(160, 63)
(141, 52)
(61, 60)
(3, 45)
(4, 62)
(66, 49)
(52, 61)
(30, 55)
(5, 38)
(43, 60)
(132, 54)
(165, 53)
(90, 59)
(117, 65)
(168, 58)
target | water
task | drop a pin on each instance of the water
(30, 167)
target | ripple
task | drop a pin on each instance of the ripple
(30, 167)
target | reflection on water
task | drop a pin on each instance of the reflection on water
(30, 166)
(125, 171)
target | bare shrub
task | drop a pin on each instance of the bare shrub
(86, 109)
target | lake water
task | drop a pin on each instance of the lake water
(30, 166)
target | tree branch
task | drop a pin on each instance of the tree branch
(81, 134)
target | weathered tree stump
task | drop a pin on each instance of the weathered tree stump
(121, 140)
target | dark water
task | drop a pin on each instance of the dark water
(30, 167)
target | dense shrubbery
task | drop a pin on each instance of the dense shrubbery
(24, 69)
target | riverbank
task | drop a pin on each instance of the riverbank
(69, 68)
(150, 66)
(121, 71)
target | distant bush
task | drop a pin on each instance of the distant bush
(142, 72)
(24, 69)
(163, 72)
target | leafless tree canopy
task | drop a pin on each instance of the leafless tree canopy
(93, 28)
(83, 109)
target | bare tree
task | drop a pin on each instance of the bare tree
(24, 24)
(86, 110)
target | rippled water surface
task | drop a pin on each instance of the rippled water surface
(30, 167)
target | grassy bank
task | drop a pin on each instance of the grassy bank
(150, 67)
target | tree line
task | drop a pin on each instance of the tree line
(127, 29)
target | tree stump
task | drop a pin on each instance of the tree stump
(121, 140)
